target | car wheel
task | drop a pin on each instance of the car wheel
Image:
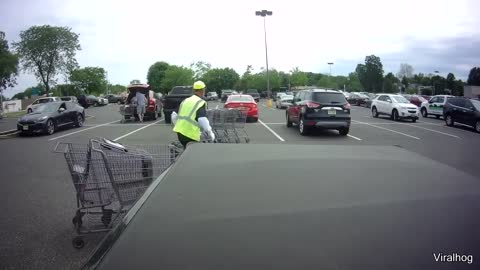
(168, 118)
(374, 112)
(477, 126)
(154, 115)
(29, 111)
(395, 115)
(302, 128)
(159, 113)
(358, 103)
(414, 120)
(289, 123)
(119, 102)
(79, 121)
(344, 131)
(255, 120)
(437, 116)
(449, 120)
(424, 112)
(50, 127)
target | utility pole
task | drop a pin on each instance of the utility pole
(264, 13)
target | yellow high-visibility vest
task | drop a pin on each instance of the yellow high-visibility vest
(186, 123)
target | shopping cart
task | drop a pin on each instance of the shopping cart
(228, 125)
(109, 178)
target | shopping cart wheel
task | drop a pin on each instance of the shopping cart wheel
(78, 242)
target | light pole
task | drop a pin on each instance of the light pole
(433, 84)
(330, 64)
(264, 13)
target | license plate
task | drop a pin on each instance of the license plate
(332, 112)
(242, 108)
(25, 127)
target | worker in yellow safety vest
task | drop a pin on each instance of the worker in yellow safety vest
(191, 118)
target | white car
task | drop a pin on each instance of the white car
(102, 101)
(284, 101)
(395, 106)
(31, 107)
(434, 106)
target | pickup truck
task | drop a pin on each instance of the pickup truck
(171, 102)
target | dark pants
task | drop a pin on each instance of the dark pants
(184, 140)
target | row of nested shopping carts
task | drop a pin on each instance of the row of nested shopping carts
(109, 178)
(228, 126)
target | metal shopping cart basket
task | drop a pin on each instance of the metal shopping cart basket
(228, 125)
(109, 178)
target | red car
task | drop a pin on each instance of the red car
(415, 99)
(244, 103)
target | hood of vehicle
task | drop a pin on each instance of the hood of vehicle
(409, 106)
(33, 116)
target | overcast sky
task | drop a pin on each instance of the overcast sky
(126, 37)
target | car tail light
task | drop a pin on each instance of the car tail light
(312, 105)
(254, 106)
(346, 106)
(151, 102)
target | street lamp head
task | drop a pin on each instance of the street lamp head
(263, 13)
(330, 63)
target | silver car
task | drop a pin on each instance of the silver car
(284, 101)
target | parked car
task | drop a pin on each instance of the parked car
(154, 105)
(36, 103)
(102, 101)
(212, 96)
(69, 98)
(395, 106)
(284, 101)
(265, 94)
(244, 103)
(463, 111)
(434, 106)
(226, 93)
(115, 99)
(254, 93)
(368, 103)
(49, 117)
(278, 95)
(171, 102)
(357, 99)
(415, 99)
(92, 100)
(317, 108)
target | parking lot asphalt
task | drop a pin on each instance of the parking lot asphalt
(38, 197)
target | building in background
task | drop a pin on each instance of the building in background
(471, 91)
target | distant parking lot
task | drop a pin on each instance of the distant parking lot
(39, 199)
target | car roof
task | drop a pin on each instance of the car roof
(225, 218)
(323, 91)
(240, 95)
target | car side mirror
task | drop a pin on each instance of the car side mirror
(61, 110)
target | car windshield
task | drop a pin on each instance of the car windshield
(326, 97)
(476, 104)
(287, 97)
(400, 99)
(46, 108)
(242, 98)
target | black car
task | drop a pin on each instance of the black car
(315, 108)
(463, 111)
(226, 93)
(357, 99)
(48, 117)
(254, 93)
(115, 99)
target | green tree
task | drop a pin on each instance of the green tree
(450, 81)
(20, 95)
(91, 80)
(298, 77)
(474, 76)
(8, 64)
(135, 81)
(66, 90)
(439, 84)
(371, 74)
(220, 78)
(199, 68)
(176, 76)
(116, 88)
(457, 89)
(313, 78)
(353, 82)
(389, 83)
(48, 51)
(155, 75)
(405, 82)
(405, 70)
(327, 82)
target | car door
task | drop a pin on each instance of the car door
(294, 110)
(71, 112)
(380, 104)
(435, 105)
(61, 117)
(466, 113)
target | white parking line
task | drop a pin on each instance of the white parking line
(394, 131)
(271, 130)
(358, 139)
(432, 130)
(136, 130)
(82, 130)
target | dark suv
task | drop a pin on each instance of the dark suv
(462, 110)
(316, 108)
(254, 93)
